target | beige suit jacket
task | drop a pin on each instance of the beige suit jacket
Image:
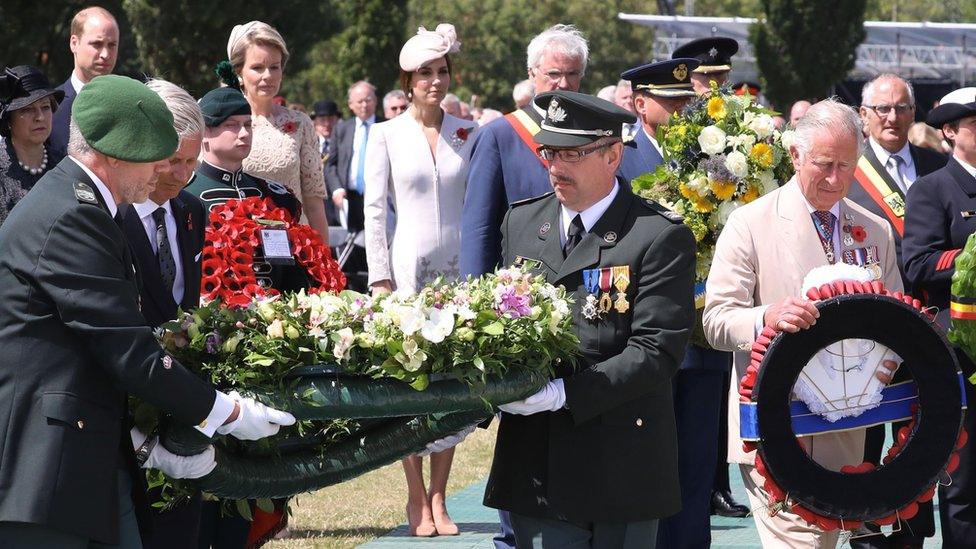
(762, 255)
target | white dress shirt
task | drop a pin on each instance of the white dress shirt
(970, 169)
(589, 216)
(653, 141)
(906, 168)
(356, 142)
(145, 211)
(76, 82)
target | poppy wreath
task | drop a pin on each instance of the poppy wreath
(926, 449)
(227, 261)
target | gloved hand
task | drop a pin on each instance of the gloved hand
(172, 465)
(447, 442)
(549, 399)
(255, 420)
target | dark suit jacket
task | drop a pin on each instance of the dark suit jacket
(73, 344)
(158, 305)
(938, 221)
(639, 158)
(62, 117)
(337, 168)
(926, 161)
(610, 455)
(502, 171)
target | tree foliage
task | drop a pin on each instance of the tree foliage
(803, 47)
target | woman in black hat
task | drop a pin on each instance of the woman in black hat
(27, 105)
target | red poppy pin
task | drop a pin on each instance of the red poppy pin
(462, 134)
(858, 233)
(289, 127)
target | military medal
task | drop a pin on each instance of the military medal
(591, 281)
(606, 283)
(621, 280)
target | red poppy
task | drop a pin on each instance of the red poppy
(209, 285)
(462, 134)
(858, 233)
(289, 127)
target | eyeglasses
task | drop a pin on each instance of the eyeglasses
(884, 110)
(567, 155)
(556, 76)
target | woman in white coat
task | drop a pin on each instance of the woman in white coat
(418, 161)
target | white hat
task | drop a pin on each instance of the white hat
(238, 33)
(426, 46)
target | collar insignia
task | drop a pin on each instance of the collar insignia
(84, 192)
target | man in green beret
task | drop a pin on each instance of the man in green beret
(75, 343)
(590, 460)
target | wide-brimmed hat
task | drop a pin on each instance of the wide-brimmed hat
(955, 105)
(23, 85)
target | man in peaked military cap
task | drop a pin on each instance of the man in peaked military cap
(74, 342)
(660, 89)
(714, 55)
(589, 460)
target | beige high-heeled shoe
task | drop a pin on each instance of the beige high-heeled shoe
(420, 529)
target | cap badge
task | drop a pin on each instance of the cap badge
(680, 72)
(712, 53)
(555, 112)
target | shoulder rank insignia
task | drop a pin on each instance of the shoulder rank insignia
(669, 214)
(85, 193)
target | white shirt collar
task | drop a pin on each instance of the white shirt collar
(76, 82)
(590, 215)
(966, 166)
(653, 141)
(371, 120)
(883, 154)
(146, 209)
(113, 208)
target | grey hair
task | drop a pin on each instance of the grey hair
(868, 90)
(524, 89)
(390, 96)
(451, 99)
(187, 117)
(565, 39)
(606, 93)
(78, 146)
(828, 116)
(623, 83)
(359, 84)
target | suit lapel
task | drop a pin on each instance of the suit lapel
(796, 225)
(191, 279)
(148, 264)
(649, 155)
(549, 234)
(965, 181)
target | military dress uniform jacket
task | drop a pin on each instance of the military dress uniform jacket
(609, 455)
(639, 158)
(940, 216)
(158, 305)
(73, 344)
(926, 161)
(502, 170)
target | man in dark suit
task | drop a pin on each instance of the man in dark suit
(889, 167)
(94, 44)
(659, 89)
(344, 175)
(76, 342)
(590, 461)
(939, 218)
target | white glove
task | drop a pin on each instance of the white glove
(255, 420)
(447, 442)
(550, 398)
(172, 465)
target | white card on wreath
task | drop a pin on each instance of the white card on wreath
(840, 381)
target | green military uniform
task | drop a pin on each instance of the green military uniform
(609, 455)
(72, 338)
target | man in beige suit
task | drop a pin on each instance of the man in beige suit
(762, 255)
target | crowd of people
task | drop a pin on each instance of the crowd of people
(106, 183)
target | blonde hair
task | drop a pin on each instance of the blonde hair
(260, 34)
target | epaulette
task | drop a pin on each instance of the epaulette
(670, 215)
(84, 193)
(531, 200)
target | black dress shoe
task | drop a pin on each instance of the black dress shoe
(723, 504)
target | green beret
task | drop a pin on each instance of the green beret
(122, 118)
(222, 103)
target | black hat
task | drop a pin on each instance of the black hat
(714, 54)
(665, 79)
(576, 119)
(222, 103)
(955, 105)
(326, 107)
(22, 85)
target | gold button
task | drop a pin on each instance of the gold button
(640, 422)
(81, 424)
(203, 424)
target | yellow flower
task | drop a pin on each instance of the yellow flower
(716, 108)
(723, 190)
(751, 194)
(762, 155)
(688, 192)
(702, 205)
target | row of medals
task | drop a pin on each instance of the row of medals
(598, 282)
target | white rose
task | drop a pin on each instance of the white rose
(787, 139)
(763, 125)
(344, 341)
(712, 140)
(699, 184)
(737, 164)
(276, 330)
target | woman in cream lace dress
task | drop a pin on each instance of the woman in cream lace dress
(419, 161)
(284, 146)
